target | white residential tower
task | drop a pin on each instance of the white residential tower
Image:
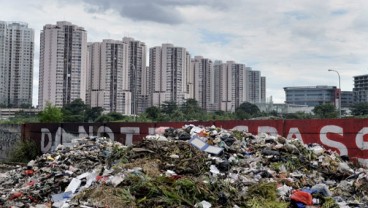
(63, 64)
(16, 64)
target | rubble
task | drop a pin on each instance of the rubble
(192, 166)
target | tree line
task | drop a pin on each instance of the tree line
(78, 111)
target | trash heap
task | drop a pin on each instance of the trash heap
(188, 167)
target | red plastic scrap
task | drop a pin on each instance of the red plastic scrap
(15, 195)
(176, 177)
(102, 179)
(28, 172)
(301, 196)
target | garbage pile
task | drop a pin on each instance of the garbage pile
(191, 166)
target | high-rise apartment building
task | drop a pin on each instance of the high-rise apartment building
(137, 77)
(117, 76)
(16, 64)
(230, 80)
(199, 82)
(63, 64)
(263, 89)
(168, 74)
(108, 76)
(234, 84)
(256, 86)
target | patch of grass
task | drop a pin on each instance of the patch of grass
(329, 203)
(260, 203)
(106, 196)
(264, 195)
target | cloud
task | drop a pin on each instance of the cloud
(151, 12)
(160, 11)
(214, 37)
(339, 12)
(297, 15)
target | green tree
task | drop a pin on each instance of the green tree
(104, 118)
(326, 110)
(169, 107)
(75, 111)
(51, 114)
(220, 115)
(191, 110)
(116, 116)
(93, 113)
(247, 110)
(359, 109)
(153, 113)
(112, 116)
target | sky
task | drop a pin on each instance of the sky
(292, 42)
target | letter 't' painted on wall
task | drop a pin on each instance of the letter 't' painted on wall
(129, 131)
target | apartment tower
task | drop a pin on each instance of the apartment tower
(231, 87)
(256, 85)
(107, 80)
(63, 64)
(199, 82)
(16, 64)
(263, 89)
(168, 74)
(137, 74)
(117, 76)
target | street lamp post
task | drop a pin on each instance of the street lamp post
(338, 74)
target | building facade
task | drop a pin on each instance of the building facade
(199, 82)
(168, 74)
(117, 76)
(16, 64)
(108, 76)
(256, 85)
(224, 96)
(230, 80)
(234, 84)
(263, 89)
(360, 89)
(311, 95)
(63, 64)
(347, 99)
(137, 74)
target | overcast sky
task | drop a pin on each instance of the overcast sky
(292, 42)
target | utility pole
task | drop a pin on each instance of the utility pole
(338, 74)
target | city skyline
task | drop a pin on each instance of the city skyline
(112, 74)
(291, 44)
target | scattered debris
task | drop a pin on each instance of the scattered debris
(188, 167)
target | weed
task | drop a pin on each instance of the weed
(24, 151)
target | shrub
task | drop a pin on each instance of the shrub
(24, 151)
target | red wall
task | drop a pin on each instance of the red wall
(347, 136)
